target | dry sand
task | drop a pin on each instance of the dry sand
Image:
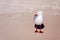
(20, 26)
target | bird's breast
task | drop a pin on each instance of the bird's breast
(39, 20)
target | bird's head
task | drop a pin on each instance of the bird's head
(39, 13)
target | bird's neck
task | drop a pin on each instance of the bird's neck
(40, 16)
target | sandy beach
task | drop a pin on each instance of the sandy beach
(17, 23)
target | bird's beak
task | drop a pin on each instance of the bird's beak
(36, 15)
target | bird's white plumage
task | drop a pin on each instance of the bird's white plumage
(39, 19)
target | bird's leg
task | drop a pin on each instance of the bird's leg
(36, 30)
(40, 30)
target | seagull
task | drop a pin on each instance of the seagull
(38, 20)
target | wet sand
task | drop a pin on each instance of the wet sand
(20, 26)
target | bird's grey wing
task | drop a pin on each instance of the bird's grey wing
(35, 17)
